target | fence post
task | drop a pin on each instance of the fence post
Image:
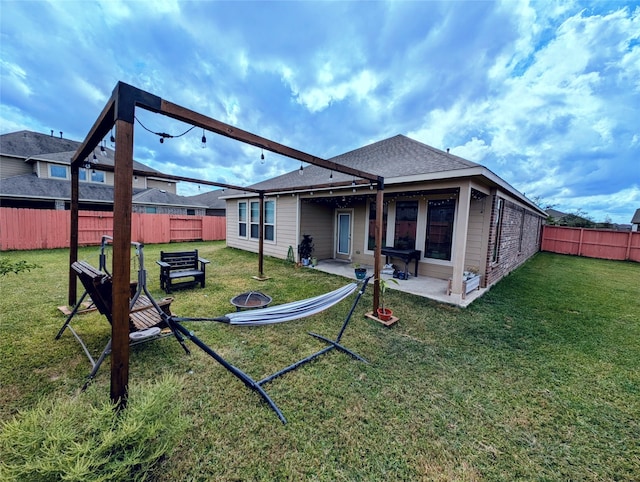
(580, 242)
(627, 255)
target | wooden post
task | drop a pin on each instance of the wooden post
(122, 203)
(73, 235)
(378, 250)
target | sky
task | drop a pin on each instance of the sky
(545, 94)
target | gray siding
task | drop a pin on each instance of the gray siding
(10, 166)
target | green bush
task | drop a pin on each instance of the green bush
(82, 439)
(7, 266)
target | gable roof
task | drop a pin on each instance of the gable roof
(636, 217)
(397, 156)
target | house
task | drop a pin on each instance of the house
(214, 201)
(453, 215)
(35, 173)
(635, 221)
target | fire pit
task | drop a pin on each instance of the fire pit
(250, 299)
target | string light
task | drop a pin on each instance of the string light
(204, 140)
(262, 157)
(301, 170)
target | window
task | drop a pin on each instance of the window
(97, 176)
(58, 171)
(191, 212)
(270, 220)
(91, 175)
(371, 243)
(255, 219)
(522, 219)
(242, 219)
(440, 216)
(150, 209)
(496, 243)
(406, 222)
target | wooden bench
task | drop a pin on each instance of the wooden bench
(178, 265)
(143, 314)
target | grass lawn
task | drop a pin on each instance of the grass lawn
(537, 380)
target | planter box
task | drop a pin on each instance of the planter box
(468, 285)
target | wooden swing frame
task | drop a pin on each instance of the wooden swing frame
(119, 112)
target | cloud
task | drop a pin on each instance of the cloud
(544, 94)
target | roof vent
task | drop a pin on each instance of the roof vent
(60, 134)
(51, 132)
(447, 150)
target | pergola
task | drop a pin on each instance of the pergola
(119, 112)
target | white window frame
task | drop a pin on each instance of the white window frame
(254, 222)
(66, 171)
(272, 224)
(243, 222)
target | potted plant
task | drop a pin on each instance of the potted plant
(383, 312)
(360, 272)
(305, 248)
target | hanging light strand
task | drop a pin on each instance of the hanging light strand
(164, 135)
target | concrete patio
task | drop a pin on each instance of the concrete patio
(432, 288)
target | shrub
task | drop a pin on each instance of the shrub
(81, 439)
(7, 266)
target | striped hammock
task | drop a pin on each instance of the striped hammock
(290, 311)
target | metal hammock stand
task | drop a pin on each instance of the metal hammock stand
(288, 311)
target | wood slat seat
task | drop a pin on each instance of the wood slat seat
(143, 315)
(180, 265)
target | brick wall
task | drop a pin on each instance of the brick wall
(517, 232)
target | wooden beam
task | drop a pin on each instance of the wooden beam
(99, 130)
(194, 118)
(121, 275)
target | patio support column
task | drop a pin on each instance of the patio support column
(260, 236)
(460, 240)
(73, 235)
(121, 270)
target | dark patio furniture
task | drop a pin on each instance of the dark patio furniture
(405, 255)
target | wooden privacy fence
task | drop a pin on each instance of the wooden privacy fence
(46, 229)
(592, 243)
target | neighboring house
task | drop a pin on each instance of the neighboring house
(558, 218)
(216, 206)
(635, 221)
(35, 173)
(458, 214)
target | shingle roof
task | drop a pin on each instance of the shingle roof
(636, 217)
(29, 144)
(212, 198)
(31, 186)
(394, 157)
(160, 196)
